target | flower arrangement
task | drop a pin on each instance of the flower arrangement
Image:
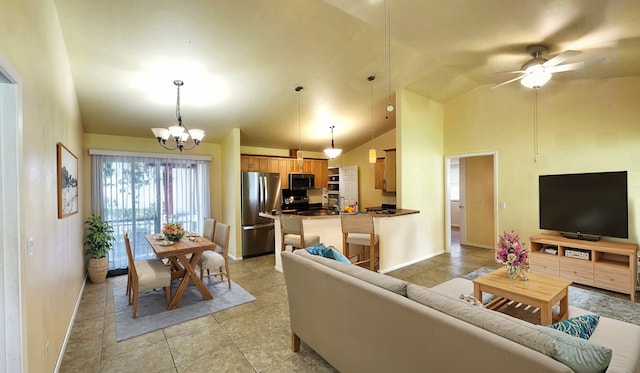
(173, 231)
(511, 251)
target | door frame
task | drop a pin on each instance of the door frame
(13, 345)
(447, 196)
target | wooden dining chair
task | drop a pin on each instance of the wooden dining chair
(145, 275)
(214, 262)
(292, 233)
(209, 228)
(359, 230)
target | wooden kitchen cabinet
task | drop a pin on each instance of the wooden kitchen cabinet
(379, 171)
(285, 166)
(250, 163)
(390, 170)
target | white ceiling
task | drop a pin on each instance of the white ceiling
(241, 59)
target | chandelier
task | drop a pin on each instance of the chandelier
(177, 137)
(332, 152)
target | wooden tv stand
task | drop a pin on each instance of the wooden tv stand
(610, 265)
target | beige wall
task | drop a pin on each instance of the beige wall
(231, 190)
(51, 280)
(420, 168)
(150, 145)
(368, 195)
(479, 201)
(583, 126)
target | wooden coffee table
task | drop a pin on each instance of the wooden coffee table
(539, 291)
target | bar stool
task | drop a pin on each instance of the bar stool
(358, 230)
(292, 233)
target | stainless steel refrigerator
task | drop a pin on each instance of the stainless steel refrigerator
(260, 193)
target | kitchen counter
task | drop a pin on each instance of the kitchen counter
(397, 233)
(325, 215)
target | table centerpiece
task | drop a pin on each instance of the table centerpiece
(173, 231)
(512, 253)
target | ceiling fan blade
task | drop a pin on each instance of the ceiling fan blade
(561, 58)
(509, 81)
(566, 67)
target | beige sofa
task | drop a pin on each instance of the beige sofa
(361, 321)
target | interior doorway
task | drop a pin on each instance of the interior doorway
(470, 200)
(10, 242)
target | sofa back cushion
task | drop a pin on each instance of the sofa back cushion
(498, 323)
(386, 282)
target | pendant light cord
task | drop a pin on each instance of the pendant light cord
(535, 128)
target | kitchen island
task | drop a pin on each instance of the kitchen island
(398, 235)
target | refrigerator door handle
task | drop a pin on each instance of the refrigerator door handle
(257, 226)
(260, 194)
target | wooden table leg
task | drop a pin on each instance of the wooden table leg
(546, 317)
(477, 291)
(189, 275)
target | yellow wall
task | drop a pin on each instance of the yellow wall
(368, 195)
(479, 201)
(51, 280)
(150, 145)
(420, 167)
(583, 126)
(231, 190)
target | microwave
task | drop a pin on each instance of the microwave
(301, 181)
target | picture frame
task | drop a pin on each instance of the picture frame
(67, 182)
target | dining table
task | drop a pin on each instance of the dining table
(183, 257)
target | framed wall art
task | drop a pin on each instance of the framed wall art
(67, 182)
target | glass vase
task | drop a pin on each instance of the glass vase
(513, 271)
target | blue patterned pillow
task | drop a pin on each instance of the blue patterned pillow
(579, 326)
(327, 252)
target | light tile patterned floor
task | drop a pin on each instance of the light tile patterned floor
(253, 337)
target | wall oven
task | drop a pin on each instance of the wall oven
(301, 181)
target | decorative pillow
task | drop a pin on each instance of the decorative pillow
(327, 252)
(470, 299)
(579, 326)
(580, 355)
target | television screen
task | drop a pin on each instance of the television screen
(589, 204)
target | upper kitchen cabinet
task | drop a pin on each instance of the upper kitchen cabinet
(320, 168)
(251, 163)
(385, 171)
(286, 166)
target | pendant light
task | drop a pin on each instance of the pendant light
(177, 136)
(387, 34)
(299, 152)
(332, 152)
(372, 151)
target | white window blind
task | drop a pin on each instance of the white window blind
(140, 194)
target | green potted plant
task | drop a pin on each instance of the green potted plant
(98, 242)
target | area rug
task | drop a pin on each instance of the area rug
(592, 301)
(152, 307)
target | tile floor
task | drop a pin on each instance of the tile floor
(253, 337)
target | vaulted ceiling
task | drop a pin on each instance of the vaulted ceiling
(240, 60)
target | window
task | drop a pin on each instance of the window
(138, 195)
(454, 182)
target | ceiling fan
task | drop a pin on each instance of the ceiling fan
(537, 72)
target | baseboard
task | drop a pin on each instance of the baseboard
(70, 326)
(390, 269)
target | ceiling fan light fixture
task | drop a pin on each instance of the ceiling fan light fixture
(535, 77)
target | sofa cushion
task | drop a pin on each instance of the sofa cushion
(498, 323)
(580, 355)
(579, 326)
(327, 252)
(386, 282)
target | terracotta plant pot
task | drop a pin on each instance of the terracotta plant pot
(97, 269)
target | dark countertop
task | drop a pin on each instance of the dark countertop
(398, 212)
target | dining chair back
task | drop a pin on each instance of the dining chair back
(209, 228)
(359, 230)
(292, 233)
(145, 275)
(216, 263)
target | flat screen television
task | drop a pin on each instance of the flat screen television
(587, 206)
